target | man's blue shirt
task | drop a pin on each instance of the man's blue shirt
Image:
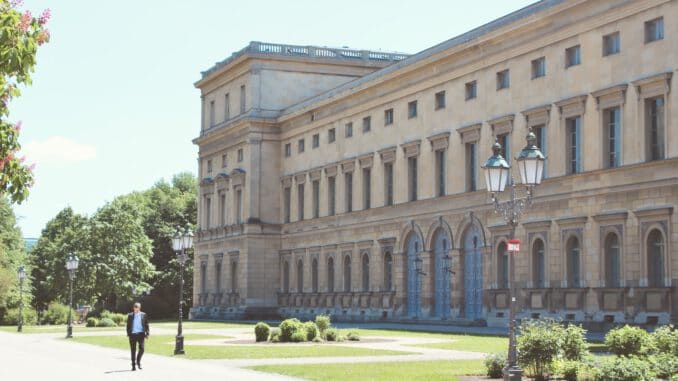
(137, 327)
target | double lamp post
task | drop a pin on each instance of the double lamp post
(498, 175)
(72, 262)
(180, 244)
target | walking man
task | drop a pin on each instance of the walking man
(137, 332)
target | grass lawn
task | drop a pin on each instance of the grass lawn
(59, 328)
(164, 345)
(382, 371)
(470, 343)
(200, 325)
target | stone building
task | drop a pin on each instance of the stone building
(328, 174)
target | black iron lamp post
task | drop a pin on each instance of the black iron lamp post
(72, 262)
(22, 276)
(530, 163)
(181, 243)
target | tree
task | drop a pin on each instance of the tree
(20, 36)
(12, 255)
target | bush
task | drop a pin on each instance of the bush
(353, 336)
(495, 364)
(118, 319)
(627, 341)
(331, 334)
(625, 369)
(568, 369)
(665, 340)
(574, 346)
(92, 322)
(106, 322)
(28, 316)
(56, 313)
(665, 366)
(261, 331)
(538, 345)
(298, 336)
(318, 339)
(311, 330)
(323, 323)
(275, 335)
(288, 328)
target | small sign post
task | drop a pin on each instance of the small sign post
(513, 245)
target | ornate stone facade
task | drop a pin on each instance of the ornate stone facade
(328, 174)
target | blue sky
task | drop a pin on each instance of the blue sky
(112, 108)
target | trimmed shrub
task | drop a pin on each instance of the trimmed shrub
(495, 364)
(665, 340)
(318, 339)
(331, 334)
(627, 341)
(298, 336)
(353, 336)
(288, 328)
(275, 335)
(323, 323)
(574, 346)
(92, 322)
(311, 330)
(568, 369)
(106, 322)
(28, 316)
(538, 345)
(261, 331)
(56, 313)
(119, 319)
(665, 366)
(629, 368)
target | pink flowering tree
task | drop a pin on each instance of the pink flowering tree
(20, 36)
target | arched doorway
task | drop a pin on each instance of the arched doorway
(473, 272)
(413, 246)
(441, 277)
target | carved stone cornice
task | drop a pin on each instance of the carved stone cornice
(536, 116)
(572, 106)
(366, 160)
(502, 125)
(611, 96)
(411, 148)
(470, 134)
(659, 84)
(347, 165)
(439, 141)
(388, 154)
(331, 170)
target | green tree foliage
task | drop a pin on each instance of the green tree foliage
(20, 36)
(12, 256)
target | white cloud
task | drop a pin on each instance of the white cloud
(58, 150)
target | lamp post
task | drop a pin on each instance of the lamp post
(71, 265)
(181, 243)
(530, 163)
(22, 276)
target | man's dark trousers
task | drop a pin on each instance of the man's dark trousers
(135, 338)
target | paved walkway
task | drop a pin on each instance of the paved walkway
(45, 357)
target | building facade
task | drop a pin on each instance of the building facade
(327, 175)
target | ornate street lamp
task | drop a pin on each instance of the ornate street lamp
(497, 174)
(72, 262)
(181, 243)
(22, 276)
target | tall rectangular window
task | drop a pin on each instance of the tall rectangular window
(348, 130)
(287, 201)
(242, 99)
(540, 133)
(348, 184)
(440, 173)
(301, 145)
(241, 156)
(238, 206)
(611, 44)
(316, 198)
(388, 184)
(224, 161)
(288, 149)
(505, 141)
(222, 209)
(367, 188)
(612, 137)
(654, 30)
(300, 201)
(212, 111)
(208, 212)
(471, 164)
(412, 178)
(539, 67)
(573, 56)
(316, 140)
(388, 117)
(471, 90)
(331, 135)
(503, 79)
(573, 144)
(440, 100)
(331, 195)
(367, 124)
(654, 128)
(227, 107)
(412, 110)
(209, 167)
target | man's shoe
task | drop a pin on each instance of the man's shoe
(139, 365)
(134, 368)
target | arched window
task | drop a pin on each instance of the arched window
(330, 274)
(286, 276)
(314, 275)
(655, 259)
(502, 265)
(300, 276)
(538, 264)
(234, 276)
(573, 269)
(612, 260)
(388, 271)
(366, 272)
(347, 273)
